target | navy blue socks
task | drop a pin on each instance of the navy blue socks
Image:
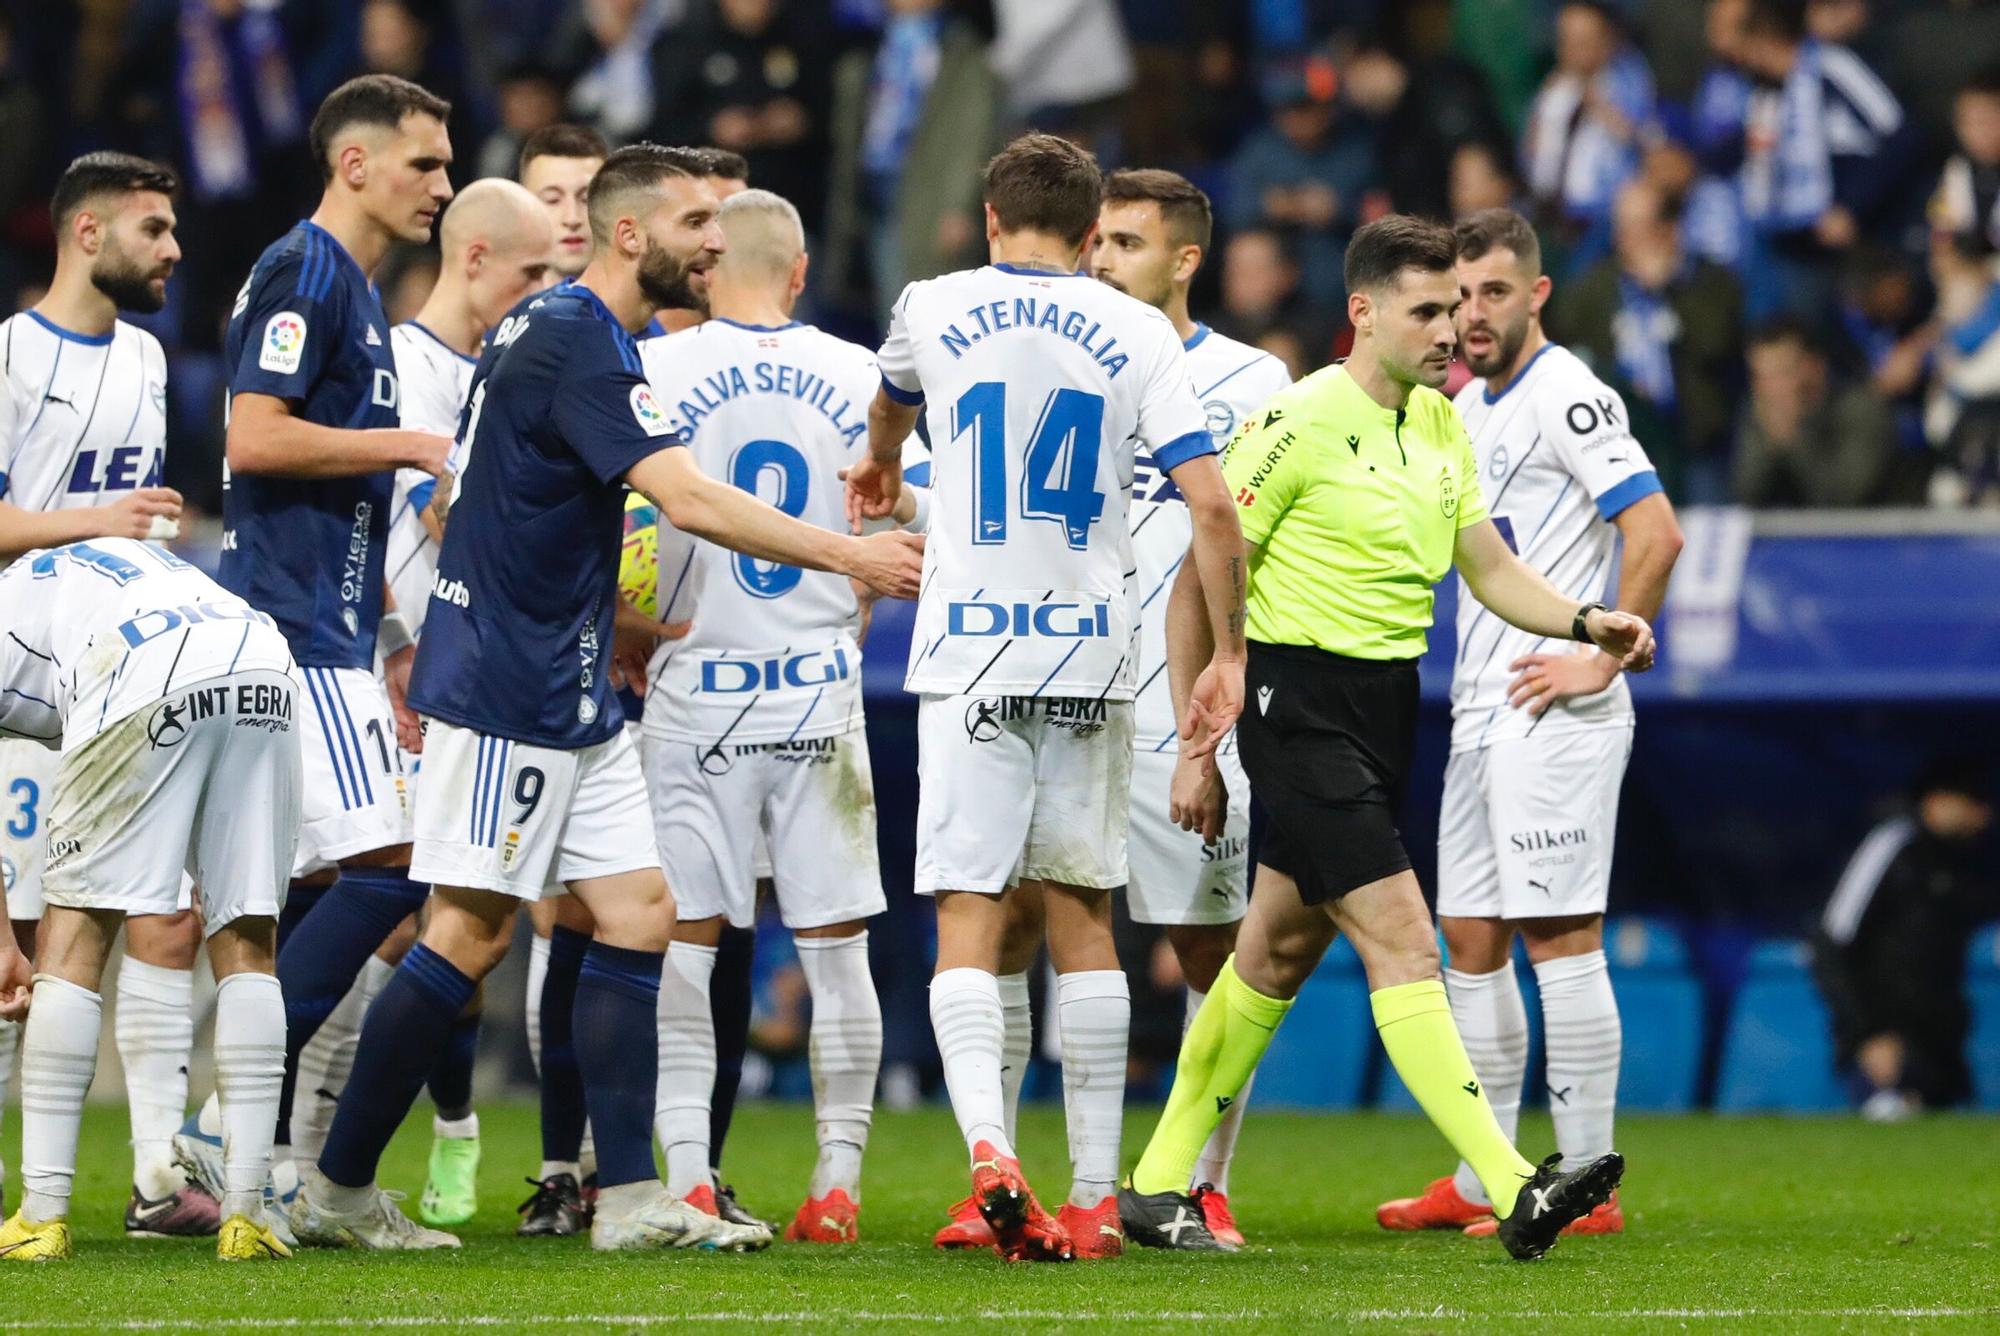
(729, 999)
(562, 1084)
(617, 1049)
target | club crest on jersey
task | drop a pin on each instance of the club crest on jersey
(284, 343)
(1498, 468)
(1221, 419)
(647, 410)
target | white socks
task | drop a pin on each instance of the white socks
(1580, 1017)
(1017, 1045)
(328, 1058)
(1213, 1166)
(154, 1022)
(1094, 1013)
(846, 1055)
(687, 1065)
(1494, 1026)
(58, 1060)
(538, 973)
(249, 1069)
(10, 1040)
(969, 1022)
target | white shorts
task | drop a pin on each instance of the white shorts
(1018, 786)
(207, 783)
(499, 815)
(27, 787)
(1527, 825)
(814, 801)
(1176, 877)
(356, 797)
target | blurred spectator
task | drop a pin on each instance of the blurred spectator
(1065, 63)
(1481, 178)
(1883, 315)
(531, 99)
(1261, 297)
(1421, 103)
(1967, 201)
(405, 280)
(1582, 134)
(1825, 146)
(1665, 329)
(21, 151)
(608, 50)
(913, 124)
(1803, 441)
(1722, 99)
(1842, 22)
(1932, 49)
(1962, 414)
(413, 40)
(1712, 223)
(1304, 174)
(752, 76)
(1889, 951)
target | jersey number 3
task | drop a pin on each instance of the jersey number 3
(1059, 480)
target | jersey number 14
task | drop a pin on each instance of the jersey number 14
(1059, 477)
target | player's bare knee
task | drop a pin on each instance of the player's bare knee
(1201, 950)
(832, 932)
(1556, 938)
(1477, 945)
(399, 941)
(701, 932)
(470, 928)
(633, 910)
(171, 941)
(970, 929)
(75, 943)
(573, 914)
(246, 945)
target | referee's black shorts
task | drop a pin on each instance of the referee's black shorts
(1327, 743)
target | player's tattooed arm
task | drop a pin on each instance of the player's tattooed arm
(1215, 557)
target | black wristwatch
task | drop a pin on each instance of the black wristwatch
(1577, 628)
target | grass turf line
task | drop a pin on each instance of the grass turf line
(1780, 1225)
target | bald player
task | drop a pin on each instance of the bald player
(497, 244)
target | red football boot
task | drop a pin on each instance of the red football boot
(1439, 1208)
(1094, 1231)
(1215, 1214)
(968, 1228)
(834, 1218)
(1022, 1230)
(703, 1200)
(1608, 1218)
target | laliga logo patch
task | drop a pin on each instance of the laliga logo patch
(647, 410)
(284, 343)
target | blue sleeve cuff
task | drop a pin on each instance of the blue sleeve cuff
(1612, 503)
(908, 398)
(1183, 448)
(918, 475)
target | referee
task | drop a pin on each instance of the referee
(1357, 491)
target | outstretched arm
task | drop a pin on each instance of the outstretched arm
(1519, 596)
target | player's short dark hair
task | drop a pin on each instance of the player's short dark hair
(1982, 82)
(1784, 19)
(636, 167)
(723, 165)
(561, 141)
(371, 99)
(1045, 183)
(1386, 247)
(1499, 229)
(1790, 329)
(1184, 206)
(105, 173)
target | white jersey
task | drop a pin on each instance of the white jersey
(777, 411)
(98, 631)
(1231, 380)
(83, 418)
(434, 380)
(1041, 388)
(1558, 463)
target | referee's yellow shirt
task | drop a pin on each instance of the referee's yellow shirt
(1356, 508)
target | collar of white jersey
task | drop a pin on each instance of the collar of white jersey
(1193, 341)
(1489, 398)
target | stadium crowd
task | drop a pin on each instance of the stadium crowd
(1772, 223)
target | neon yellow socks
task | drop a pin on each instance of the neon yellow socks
(1220, 1051)
(1414, 1020)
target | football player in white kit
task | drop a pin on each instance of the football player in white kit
(496, 244)
(172, 710)
(1540, 736)
(1042, 384)
(753, 724)
(83, 434)
(1152, 237)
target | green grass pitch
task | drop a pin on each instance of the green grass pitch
(1754, 1225)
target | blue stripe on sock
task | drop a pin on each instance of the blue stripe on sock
(623, 970)
(440, 980)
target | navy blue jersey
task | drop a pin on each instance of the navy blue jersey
(308, 328)
(518, 637)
